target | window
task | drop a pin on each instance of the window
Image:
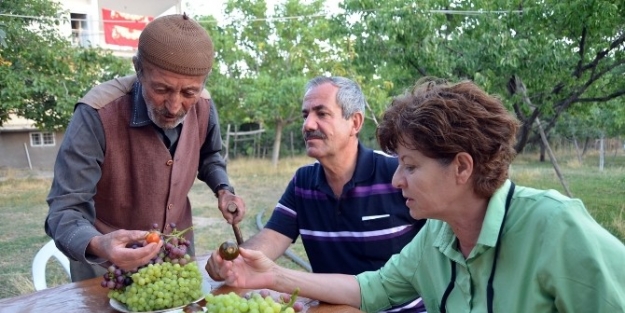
(42, 139)
(79, 29)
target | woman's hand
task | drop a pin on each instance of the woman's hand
(251, 269)
(213, 266)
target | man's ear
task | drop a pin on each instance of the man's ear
(134, 62)
(136, 65)
(464, 167)
(357, 120)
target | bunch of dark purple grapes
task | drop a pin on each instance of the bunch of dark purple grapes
(174, 250)
(116, 278)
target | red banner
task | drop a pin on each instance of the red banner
(123, 29)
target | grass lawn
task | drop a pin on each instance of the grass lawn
(23, 207)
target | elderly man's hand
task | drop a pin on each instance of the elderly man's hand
(226, 199)
(114, 248)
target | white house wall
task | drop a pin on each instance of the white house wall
(16, 151)
(140, 7)
(93, 34)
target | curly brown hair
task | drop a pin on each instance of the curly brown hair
(442, 119)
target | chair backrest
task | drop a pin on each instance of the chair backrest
(41, 260)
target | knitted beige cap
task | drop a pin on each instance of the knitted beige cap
(178, 44)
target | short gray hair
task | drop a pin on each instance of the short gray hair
(349, 96)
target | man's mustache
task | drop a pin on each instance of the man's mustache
(166, 113)
(315, 134)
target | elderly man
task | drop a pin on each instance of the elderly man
(132, 151)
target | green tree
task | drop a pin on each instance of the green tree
(42, 74)
(263, 61)
(564, 52)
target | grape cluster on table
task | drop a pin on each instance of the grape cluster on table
(171, 279)
(255, 302)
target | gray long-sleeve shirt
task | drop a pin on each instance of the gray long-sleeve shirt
(77, 171)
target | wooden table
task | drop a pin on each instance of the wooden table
(89, 296)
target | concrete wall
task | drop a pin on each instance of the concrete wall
(13, 153)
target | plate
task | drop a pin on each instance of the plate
(206, 288)
(122, 307)
(306, 302)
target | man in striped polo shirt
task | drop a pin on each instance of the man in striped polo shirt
(351, 219)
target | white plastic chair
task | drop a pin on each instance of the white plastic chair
(41, 260)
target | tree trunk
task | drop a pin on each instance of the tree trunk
(553, 158)
(586, 142)
(601, 152)
(520, 87)
(292, 145)
(525, 131)
(542, 152)
(578, 152)
(522, 137)
(275, 155)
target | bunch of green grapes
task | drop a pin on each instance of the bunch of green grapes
(174, 250)
(161, 286)
(255, 303)
(171, 279)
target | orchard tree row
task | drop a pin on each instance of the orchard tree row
(560, 64)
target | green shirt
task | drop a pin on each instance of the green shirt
(554, 257)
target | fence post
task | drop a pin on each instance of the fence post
(227, 142)
(292, 148)
(30, 165)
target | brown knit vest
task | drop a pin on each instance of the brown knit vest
(141, 183)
